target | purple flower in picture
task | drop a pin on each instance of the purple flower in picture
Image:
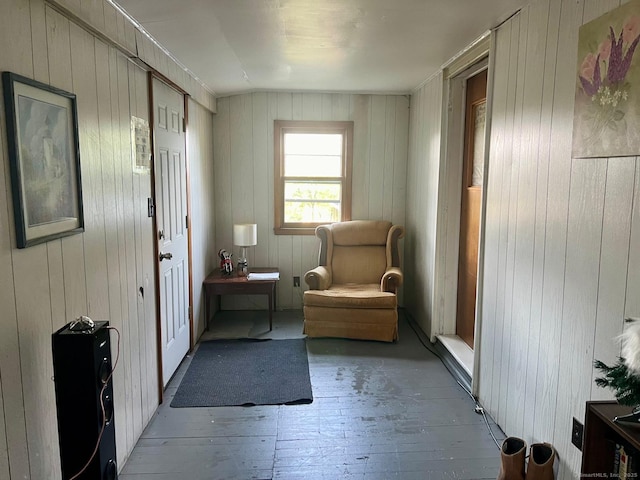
(591, 86)
(619, 62)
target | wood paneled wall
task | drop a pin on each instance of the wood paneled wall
(200, 157)
(422, 200)
(562, 237)
(97, 273)
(243, 157)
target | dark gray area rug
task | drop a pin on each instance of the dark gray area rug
(246, 372)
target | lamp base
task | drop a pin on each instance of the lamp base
(243, 268)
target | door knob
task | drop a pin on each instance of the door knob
(164, 256)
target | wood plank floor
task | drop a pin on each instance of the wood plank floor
(380, 411)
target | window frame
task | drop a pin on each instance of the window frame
(282, 127)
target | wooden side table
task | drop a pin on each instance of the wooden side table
(219, 284)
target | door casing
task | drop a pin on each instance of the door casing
(477, 57)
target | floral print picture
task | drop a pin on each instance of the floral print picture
(606, 120)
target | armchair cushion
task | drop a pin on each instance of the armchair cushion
(358, 264)
(351, 296)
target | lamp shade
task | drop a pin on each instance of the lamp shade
(245, 234)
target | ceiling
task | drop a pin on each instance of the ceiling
(380, 46)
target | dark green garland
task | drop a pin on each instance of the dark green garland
(619, 378)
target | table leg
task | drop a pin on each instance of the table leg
(206, 308)
(271, 299)
(219, 303)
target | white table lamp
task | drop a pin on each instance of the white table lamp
(244, 235)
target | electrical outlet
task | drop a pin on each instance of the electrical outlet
(576, 434)
(296, 281)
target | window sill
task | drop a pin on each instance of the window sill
(294, 231)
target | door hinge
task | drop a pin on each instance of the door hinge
(186, 221)
(151, 208)
(190, 312)
(184, 124)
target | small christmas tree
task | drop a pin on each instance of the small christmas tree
(620, 378)
(624, 376)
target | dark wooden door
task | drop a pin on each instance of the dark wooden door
(472, 179)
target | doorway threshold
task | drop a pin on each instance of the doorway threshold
(460, 355)
(462, 372)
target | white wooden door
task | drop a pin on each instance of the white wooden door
(171, 221)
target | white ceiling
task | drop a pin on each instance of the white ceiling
(382, 46)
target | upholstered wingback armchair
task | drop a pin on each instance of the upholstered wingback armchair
(353, 291)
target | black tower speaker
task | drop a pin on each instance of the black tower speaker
(81, 365)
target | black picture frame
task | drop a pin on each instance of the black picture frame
(44, 160)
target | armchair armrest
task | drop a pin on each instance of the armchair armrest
(319, 278)
(391, 280)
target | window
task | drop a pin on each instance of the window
(312, 175)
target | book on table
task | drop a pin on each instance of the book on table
(264, 276)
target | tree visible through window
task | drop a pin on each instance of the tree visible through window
(312, 174)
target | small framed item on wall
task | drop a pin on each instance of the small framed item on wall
(44, 159)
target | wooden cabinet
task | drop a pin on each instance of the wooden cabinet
(601, 434)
